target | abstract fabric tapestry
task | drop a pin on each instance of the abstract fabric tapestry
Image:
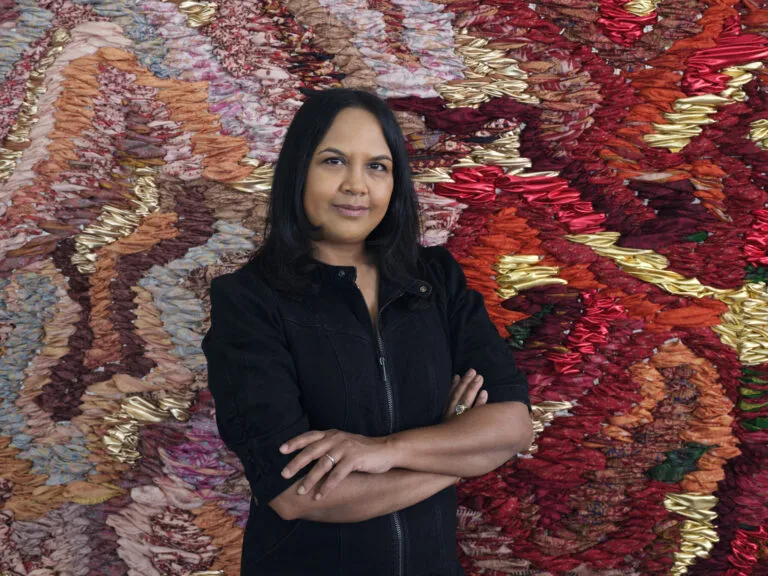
(598, 167)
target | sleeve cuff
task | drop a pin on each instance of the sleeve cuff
(266, 466)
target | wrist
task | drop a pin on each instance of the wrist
(397, 450)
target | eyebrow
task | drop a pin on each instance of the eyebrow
(340, 153)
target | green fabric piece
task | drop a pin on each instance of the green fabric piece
(519, 332)
(698, 237)
(752, 376)
(756, 424)
(750, 407)
(750, 393)
(755, 274)
(678, 463)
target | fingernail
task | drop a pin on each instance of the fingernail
(318, 496)
(283, 448)
(302, 489)
(286, 473)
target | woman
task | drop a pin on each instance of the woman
(331, 355)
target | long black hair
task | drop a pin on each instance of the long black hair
(285, 255)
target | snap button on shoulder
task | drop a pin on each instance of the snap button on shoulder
(342, 273)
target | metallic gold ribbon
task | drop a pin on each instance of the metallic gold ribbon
(697, 531)
(504, 152)
(695, 111)
(490, 74)
(758, 132)
(198, 13)
(433, 176)
(259, 181)
(114, 223)
(516, 272)
(18, 136)
(640, 7)
(544, 413)
(122, 439)
(742, 327)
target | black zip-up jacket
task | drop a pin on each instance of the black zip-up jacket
(280, 365)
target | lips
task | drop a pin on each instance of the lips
(351, 210)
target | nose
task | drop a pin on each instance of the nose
(354, 182)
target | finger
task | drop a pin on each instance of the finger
(468, 376)
(319, 470)
(458, 391)
(310, 453)
(301, 441)
(482, 398)
(470, 392)
(336, 477)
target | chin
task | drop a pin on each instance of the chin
(347, 235)
(352, 239)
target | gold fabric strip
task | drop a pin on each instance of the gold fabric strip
(742, 327)
(18, 136)
(758, 132)
(259, 181)
(692, 113)
(640, 7)
(490, 74)
(114, 223)
(516, 272)
(198, 13)
(122, 439)
(543, 414)
(697, 531)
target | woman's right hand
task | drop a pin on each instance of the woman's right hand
(465, 390)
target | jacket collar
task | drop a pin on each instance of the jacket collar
(390, 286)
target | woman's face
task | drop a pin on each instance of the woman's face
(349, 182)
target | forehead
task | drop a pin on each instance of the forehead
(354, 130)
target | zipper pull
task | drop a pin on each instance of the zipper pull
(382, 362)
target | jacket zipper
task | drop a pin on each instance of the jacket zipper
(390, 405)
(398, 527)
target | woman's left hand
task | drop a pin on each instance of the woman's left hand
(351, 452)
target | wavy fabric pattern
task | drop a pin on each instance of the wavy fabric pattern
(598, 167)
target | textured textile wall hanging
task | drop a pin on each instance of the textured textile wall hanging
(597, 166)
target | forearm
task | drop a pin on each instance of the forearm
(363, 496)
(473, 444)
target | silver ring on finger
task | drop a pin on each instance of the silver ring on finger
(460, 409)
(332, 459)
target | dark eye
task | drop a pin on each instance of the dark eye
(379, 167)
(334, 161)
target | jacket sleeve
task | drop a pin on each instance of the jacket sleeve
(475, 341)
(252, 378)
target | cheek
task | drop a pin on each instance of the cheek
(318, 193)
(382, 198)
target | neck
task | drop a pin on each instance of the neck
(340, 254)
